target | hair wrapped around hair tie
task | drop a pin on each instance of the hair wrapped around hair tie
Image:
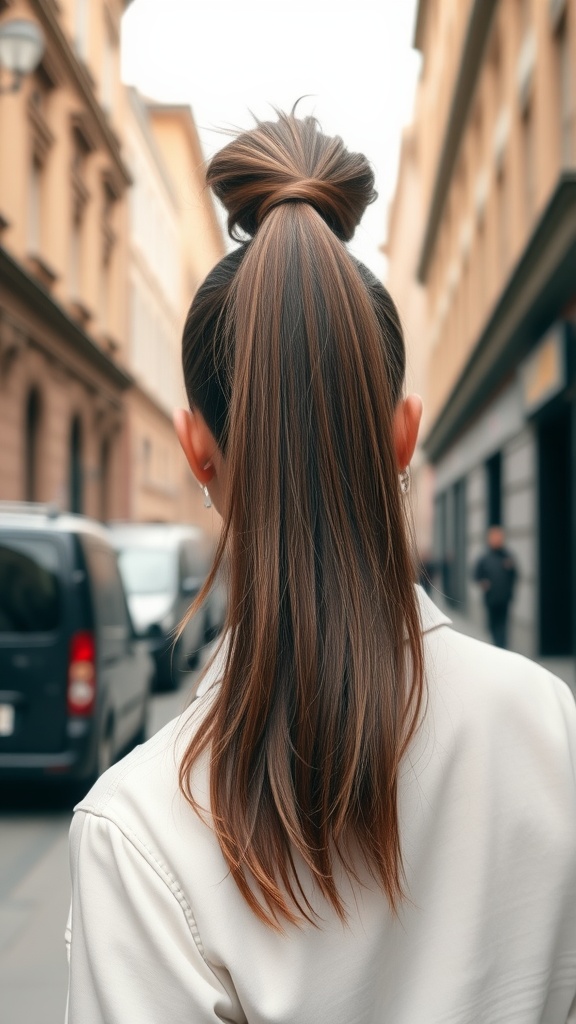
(296, 193)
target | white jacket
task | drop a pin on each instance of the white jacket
(159, 934)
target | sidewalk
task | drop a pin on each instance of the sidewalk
(564, 668)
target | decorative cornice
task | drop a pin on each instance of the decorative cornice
(477, 32)
(80, 74)
(541, 284)
(84, 130)
(42, 137)
(51, 314)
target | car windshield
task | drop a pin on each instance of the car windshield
(148, 570)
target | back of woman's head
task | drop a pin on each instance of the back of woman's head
(293, 354)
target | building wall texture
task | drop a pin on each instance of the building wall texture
(63, 258)
(105, 233)
(494, 132)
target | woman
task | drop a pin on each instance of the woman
(364, 816)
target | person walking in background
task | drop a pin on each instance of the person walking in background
(496, 573)
(364, 817)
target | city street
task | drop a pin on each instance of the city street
(35, 892)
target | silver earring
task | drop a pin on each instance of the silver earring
(206, 493)
(203, 487)
(404, 478)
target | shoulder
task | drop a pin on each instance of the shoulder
(498, 693)
(141, 794)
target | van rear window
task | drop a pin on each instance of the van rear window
(30, 594)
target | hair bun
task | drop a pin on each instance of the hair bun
(290, 160)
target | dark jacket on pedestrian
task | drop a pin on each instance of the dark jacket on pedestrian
(497, 568)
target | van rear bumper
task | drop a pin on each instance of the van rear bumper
(75, 762)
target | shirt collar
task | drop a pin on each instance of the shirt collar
(430, 615)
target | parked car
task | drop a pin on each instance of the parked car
(74, 678)
(164, 567)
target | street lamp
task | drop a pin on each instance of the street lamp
(21, 50)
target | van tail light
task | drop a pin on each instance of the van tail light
(81, 692)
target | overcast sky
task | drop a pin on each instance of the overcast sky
(353, 61)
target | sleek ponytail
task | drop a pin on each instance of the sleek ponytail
(293, 354)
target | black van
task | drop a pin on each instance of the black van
(74, 678)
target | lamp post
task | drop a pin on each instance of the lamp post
(21, 50)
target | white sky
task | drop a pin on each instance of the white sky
(352, 59)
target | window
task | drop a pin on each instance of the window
(503, 219)
(107, 590)
(525, 16)
(103, 300)
(529, 161)
(450, 529)
(108, 66)
(494, 490)
(566, 94)
(30, 598)
(76, 258)
(82, 28)
(105, 480)
(148, 570)
(35, 208)
(32, 442)
(76, 488)
(146, 458)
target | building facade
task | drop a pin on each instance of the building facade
(105, 233)
(168, 260)
(63, 254)
(495, 123)
(404, 238)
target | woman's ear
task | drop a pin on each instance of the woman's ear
(406, 425)
(197, 443)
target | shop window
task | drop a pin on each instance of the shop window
(451, 543)
(494, 490)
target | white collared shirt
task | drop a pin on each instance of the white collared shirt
(159, 933)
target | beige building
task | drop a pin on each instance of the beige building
(174, 241)
(105, 233)
(404, 238)
(63, 258)
(495, 137)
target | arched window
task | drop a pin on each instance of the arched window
(32, 435)
(76, 496)
(105, 480)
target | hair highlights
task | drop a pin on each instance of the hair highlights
(293, 353)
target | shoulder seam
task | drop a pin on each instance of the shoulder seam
(158, 867)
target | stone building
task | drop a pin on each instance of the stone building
(496, 141)
(175, 239)
(63, 257)
(106, 231)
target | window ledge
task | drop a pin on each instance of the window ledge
(42, 270)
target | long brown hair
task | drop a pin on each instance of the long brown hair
(293, 353)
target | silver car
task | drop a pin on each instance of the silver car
(163, 567)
